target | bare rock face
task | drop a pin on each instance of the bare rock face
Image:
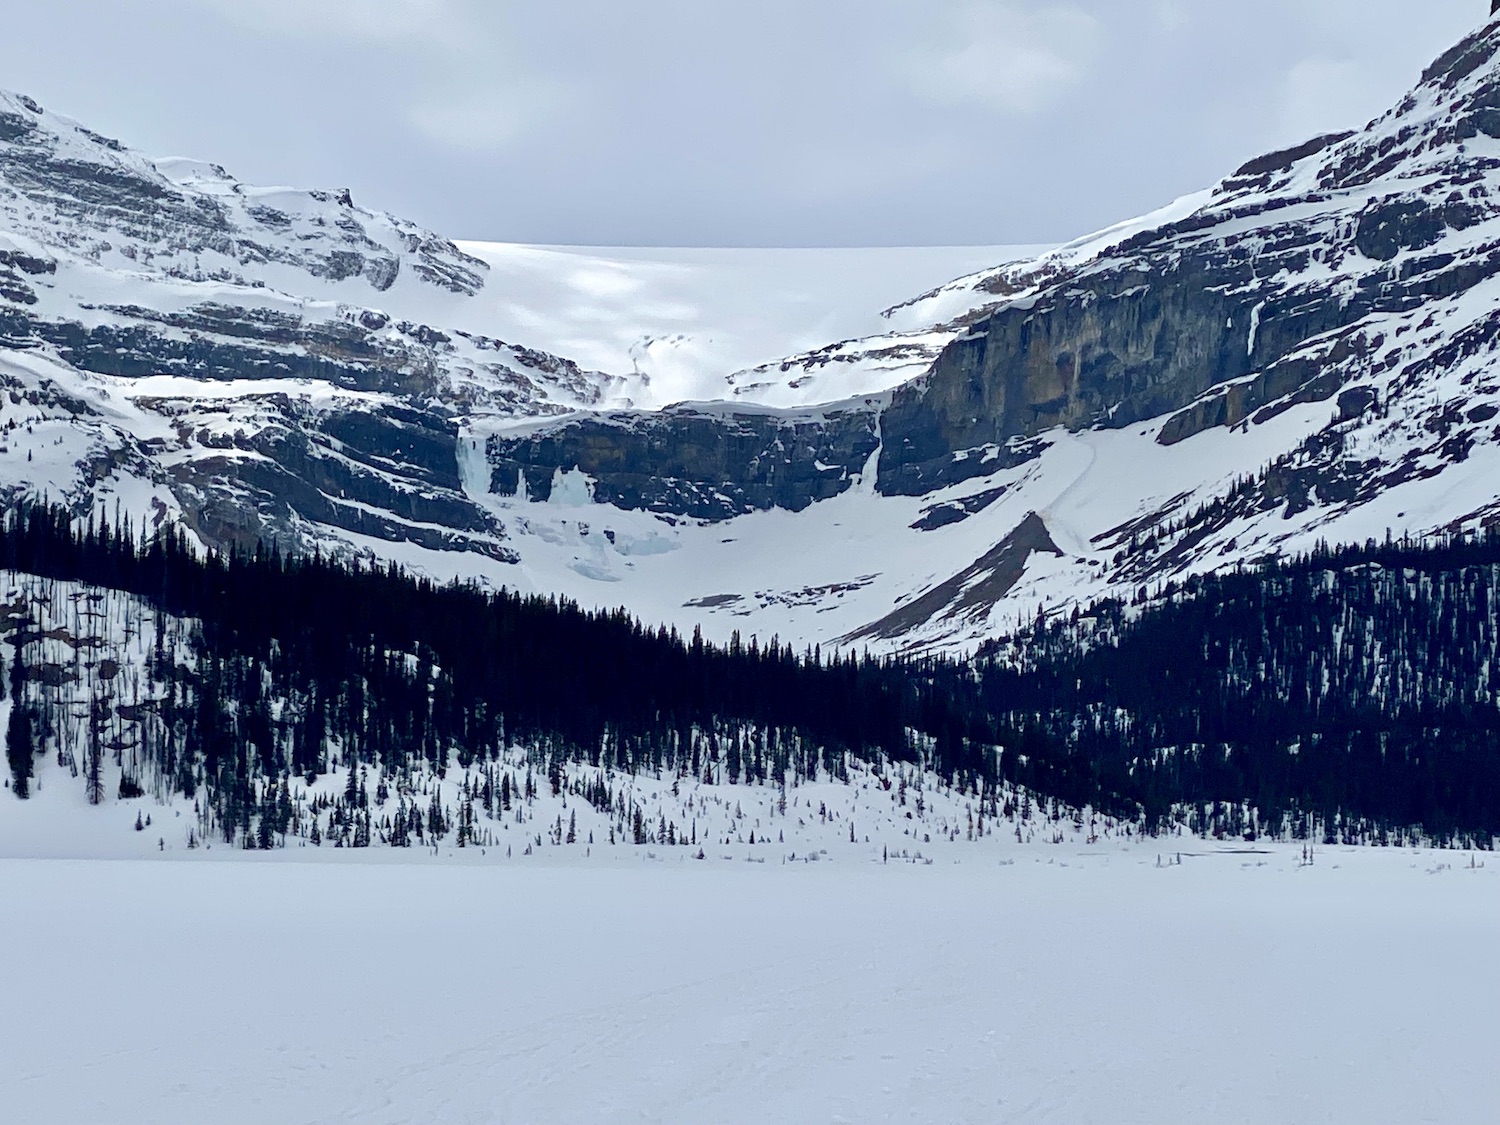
(697, 462)
(387, 475)
(1113, 354)
(1264, 294)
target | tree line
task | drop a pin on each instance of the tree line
(1357, 687)
(1350, 695)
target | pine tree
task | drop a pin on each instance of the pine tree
(20, 749)
(20, 741)
(437, 821)
(94, 771)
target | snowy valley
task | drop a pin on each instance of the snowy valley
(1300, 353)
(466, 681)
(870, 940)
(781, 445)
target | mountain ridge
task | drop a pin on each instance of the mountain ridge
(1332, 301)
(1303, 351)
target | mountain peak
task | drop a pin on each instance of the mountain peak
(1469, 54)
(89, 195)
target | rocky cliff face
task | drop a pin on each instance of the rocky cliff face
(700, 462)
(1272, 291)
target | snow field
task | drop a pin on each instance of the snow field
(1063, 986)
(688, 324)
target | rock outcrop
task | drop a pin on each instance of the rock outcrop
(698, 462)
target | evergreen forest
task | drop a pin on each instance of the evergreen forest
(1349, 696)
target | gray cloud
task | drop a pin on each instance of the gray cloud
(685, 122)
(1012, 57)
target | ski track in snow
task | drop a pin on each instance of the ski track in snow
(1057, 985)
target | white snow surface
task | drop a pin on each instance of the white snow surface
(689, 324)
(1054, 985)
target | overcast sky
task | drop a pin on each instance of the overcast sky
(730, 122)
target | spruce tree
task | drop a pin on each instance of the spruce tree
(20, 749)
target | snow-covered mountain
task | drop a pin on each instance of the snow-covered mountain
(256, 362)
(267, 363)
(1304, 351)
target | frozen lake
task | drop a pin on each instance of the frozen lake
(1060, 984)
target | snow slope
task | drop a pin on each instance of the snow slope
(689, 324)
